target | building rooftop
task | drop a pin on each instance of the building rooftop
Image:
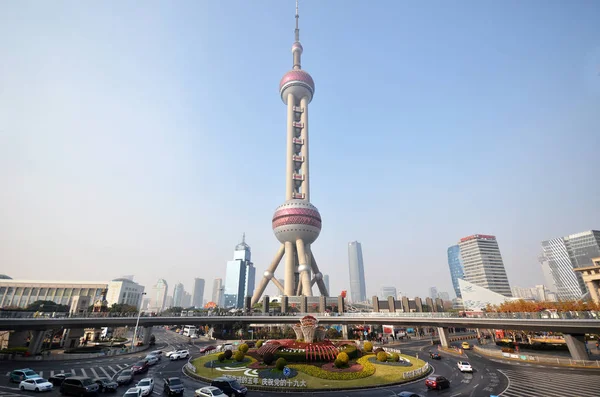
(61, 282)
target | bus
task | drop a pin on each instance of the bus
(189, 330)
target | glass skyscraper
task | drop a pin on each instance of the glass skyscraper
(178, 295)
(456, 268)
(566, 253)
(239, 277)
(358, 290)
(198, 300)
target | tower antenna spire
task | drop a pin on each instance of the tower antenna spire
(243, 237)
(297, 31)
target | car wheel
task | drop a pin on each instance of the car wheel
(37, 389)
(22, 388)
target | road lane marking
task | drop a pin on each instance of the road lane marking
(41, 374)
(73, 372)
(94, 372)
(83, 371)
(103, 370)
(118, 366)
(112, 369)
(51, 373)
(62, 371)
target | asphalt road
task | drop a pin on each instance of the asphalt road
(491, 377)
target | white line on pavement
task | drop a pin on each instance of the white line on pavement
(83, 371)
(105, 373)
(112, 369)
(94, 372)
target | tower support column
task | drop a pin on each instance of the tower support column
(289, 269)
(304, 268)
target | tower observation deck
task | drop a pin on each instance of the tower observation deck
(296, 222)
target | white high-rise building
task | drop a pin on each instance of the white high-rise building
(124, 291)
(158, 296)
(387, 291)
(564, 254)
(239, 277)
(358, 289)
(482, 263)
(217, 294)
(198, 299)
(433, 293)
(178, 293)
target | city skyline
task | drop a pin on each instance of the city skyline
(145, 208)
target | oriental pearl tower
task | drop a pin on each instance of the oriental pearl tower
(296, 222)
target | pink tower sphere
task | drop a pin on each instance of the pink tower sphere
(297, 82)
(297, 219)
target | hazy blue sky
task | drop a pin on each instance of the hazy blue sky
(144, 137)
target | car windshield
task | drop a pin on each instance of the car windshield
(144, 383)
(217, 392)
(87, 382)
(30, 373)
(40, 380)
(234, 383)
(466, 363)
(140, 364)
(432, 378)
(175, 381)
(103, 379)
(126, 373)
(131, 394)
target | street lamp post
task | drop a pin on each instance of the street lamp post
(137, 322)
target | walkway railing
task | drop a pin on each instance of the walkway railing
(531, 358)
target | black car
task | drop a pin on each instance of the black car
(58, 379)
(173, 386)
(435, 356)
(78, 386)
(124, 377)
(408, 394)
(230, 386)
(106, 385)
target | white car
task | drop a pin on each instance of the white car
(179, 354)
(151, 359)
(194, 336)
(208, 391)
(133, 392)
(464, 366)
(35, 384)
(146, 385)
(168, 354)
(225, 346)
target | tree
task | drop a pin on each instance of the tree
(47, 306)
(123, 308)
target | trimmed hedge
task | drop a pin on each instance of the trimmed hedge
(16, 350)
(228, 354)
(259, 343)
(221, 357)
(395, 357)
(268, 358)
(382, 356)
(343, 357)
(243, 348)
(368, 370)
(239, 356)
(368, 346)
(280, 364)
(350, 350)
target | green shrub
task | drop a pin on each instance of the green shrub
(338, 363)
(243, 348)
(221, 357)
(350, 350)
(259, 343)
(239, 356)
(379, 349)
(368, 346)
(395, 357)
(368, 370)
(17, 350)
(228, 354)
(268, 358)
(280, 364)
(343, 357)
(382, 356)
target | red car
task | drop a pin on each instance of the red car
(208, 348)
(437, 382)
(140, 366)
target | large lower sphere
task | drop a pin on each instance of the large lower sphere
(297, 220)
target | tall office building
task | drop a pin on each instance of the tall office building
(178, 295)
(456, 267)
(198, 300)
(387, 291)
(186, 302)
(358, 289)
(433, 293)
(482, 263)
(326, 282)
(567, 253)
(444, 296)
(158, 296)
(239, 277)
(217, 294)
(168, 302)
(124, 290)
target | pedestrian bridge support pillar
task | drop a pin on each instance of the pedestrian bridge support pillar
(345, 331)
(444, 336)
(147, 334)
(36, 342)
(577, 347)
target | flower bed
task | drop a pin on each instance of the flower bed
(400, 363)
(273, 373)
(227, 363)
(351, 368)
(368, 369)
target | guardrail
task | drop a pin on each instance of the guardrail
(417, 372)
(531, 358)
